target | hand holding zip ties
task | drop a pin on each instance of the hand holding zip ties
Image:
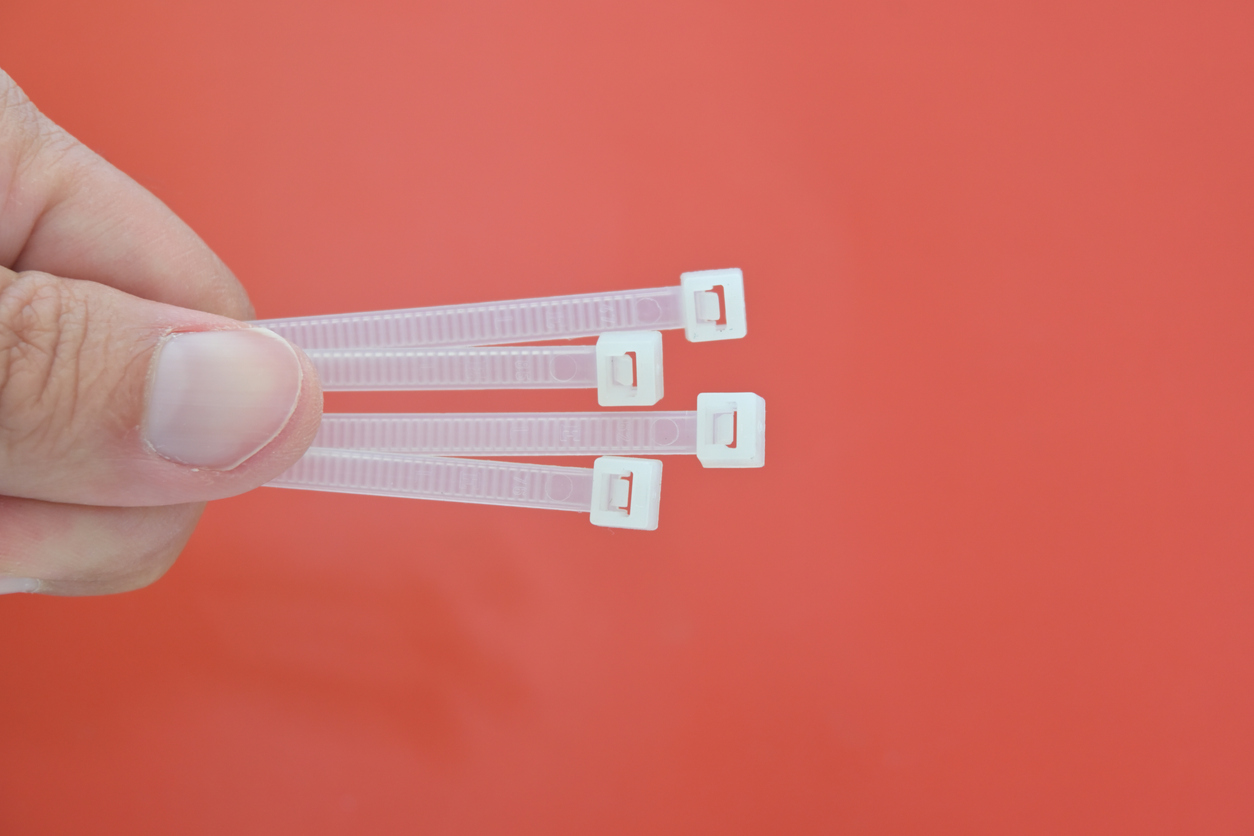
(132, 390)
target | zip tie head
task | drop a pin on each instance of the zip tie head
(626, 492)
(731, 429)
(714, 304)
(629, 368)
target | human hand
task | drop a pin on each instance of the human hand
(130, 392)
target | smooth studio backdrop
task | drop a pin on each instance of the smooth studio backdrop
(996, 575)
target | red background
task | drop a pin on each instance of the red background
(996, 575)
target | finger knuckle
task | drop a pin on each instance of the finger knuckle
(20, 120)
(31, 139)
(43, 327)
(13, 102)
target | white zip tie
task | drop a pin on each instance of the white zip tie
(726, 430)
(625, 368)
(707, 304)
(615, 492)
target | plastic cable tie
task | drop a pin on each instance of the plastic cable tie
(615, 492)
(625, 368)
(707, 304)
(726, 430)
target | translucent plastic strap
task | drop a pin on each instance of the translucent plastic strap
(490, 323)
(452, 480)
(514, 434)
(615, 492)
(707, 304)
(728, 429)
(541, 367)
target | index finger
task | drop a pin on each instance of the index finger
(65, 210)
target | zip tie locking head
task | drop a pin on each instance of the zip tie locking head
(714, 304)
(626, 492)
(629, 368)
(731, 429)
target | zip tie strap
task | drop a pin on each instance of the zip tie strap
(624, 368)
(726, 430)
(615, 492)
(707, 304)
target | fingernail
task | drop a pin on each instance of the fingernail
(218, 397)
(8, 585)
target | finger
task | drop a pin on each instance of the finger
(59, 549)
(65, 211)
(108, 399)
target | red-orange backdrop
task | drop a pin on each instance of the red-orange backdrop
(996, 576)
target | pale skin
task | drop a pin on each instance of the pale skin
(95, 272)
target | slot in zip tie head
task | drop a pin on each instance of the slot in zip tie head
(629, 368)
(731, 429)
(626, 492)
(714, 304)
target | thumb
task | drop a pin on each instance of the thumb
(108, 399)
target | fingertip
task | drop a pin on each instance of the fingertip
(290, 442)
(283, 447)
(217, 398)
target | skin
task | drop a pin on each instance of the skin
(94, 273)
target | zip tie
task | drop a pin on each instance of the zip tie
(707, 304)
(625, 368)
(614, 492)
(726, 430)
